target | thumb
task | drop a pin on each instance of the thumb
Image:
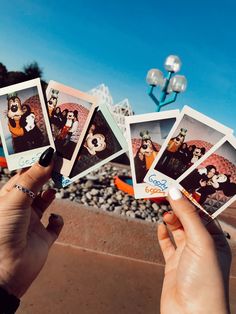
(189, 218)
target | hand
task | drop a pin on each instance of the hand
(203, 183)
(24, 241)
(197, 263)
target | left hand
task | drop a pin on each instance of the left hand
(24, 241)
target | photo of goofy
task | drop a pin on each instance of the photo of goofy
(22, 125)
(145, 156)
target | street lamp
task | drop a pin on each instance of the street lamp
(169, 85)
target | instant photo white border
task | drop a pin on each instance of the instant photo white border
(62, 181)
(63, 165)
(29, 157)
(153, 176)
(232, 141)
(145, 190)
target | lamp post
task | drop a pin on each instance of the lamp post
(170, 86)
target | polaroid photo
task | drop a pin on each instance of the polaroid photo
(192, 136)
(145, 134)
(24, 124)
(70, 112)
(212, 184)
(103, 142)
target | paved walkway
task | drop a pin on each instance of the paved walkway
(103, 264)
(75, 280)
(78, 281)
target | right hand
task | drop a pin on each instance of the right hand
(197, 263)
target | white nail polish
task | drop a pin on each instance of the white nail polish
(175, 193)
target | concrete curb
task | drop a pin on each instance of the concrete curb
(106, 232)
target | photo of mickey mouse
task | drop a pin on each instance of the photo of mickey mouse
(213, 182)
(33, 136)
(99, 143)
(95, 142)
(69, 113)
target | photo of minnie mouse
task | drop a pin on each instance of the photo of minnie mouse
(213, 183)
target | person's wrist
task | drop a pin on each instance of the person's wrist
(11, 283)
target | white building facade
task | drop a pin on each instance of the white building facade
(119, 110)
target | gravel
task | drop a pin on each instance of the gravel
(97, 189)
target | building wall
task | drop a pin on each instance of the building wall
(119, 110)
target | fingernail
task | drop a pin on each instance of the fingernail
(46, 157)
(54, 216)
(166, 213)
(175, 193)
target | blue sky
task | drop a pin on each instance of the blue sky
(83, 44)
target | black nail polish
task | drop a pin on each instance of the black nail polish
(46, 157)
(54, 216)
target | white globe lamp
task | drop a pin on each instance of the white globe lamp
(172, 64)
(178, 83)
(154, 77)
